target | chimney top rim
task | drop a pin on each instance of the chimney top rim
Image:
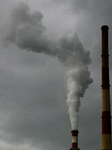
(104, 27)
(74, 131)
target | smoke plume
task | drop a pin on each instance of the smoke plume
(26, 30)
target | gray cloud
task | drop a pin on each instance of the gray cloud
(33, 119)
(26, 33)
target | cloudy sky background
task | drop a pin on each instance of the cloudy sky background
(33, 92)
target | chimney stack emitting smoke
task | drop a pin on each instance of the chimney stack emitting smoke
(74, 140)
(106, 114)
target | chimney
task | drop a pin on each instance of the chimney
(106, 114)
(74, 140)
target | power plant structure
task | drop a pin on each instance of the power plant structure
(106, 113)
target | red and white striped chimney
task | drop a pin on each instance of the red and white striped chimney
(106, 114)
(74, 140)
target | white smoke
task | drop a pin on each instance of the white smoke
(26, 30)
(76, 59)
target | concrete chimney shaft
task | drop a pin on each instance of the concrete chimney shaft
(106, 115)
(74, 140)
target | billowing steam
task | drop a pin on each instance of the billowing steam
(25, 29)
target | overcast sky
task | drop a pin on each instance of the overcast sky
(33, 86)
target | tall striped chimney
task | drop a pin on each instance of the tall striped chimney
(106, 114)
(74, 140)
